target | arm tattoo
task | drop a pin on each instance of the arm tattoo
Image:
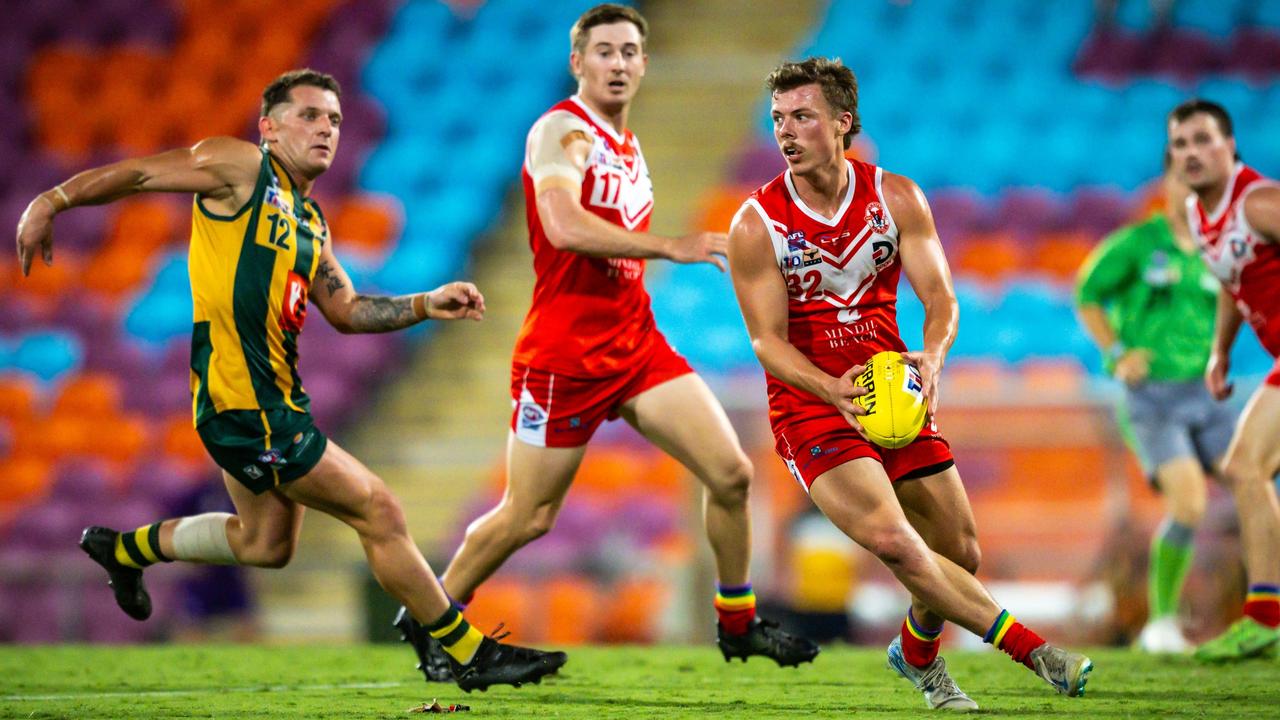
(332, 283)
(378, 313)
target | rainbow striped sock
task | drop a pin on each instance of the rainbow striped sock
(736, 607)
(919, 645)
(1013, 638)
(456, 635)
(1263, 604)
(140, 548)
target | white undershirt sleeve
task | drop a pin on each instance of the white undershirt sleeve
(545, 153)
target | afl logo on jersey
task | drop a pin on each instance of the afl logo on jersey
(876, 218)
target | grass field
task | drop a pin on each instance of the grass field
(631, 682)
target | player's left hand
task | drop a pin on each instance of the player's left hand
(930, 366)
(707, 247)
(35, 230)
(455, 301)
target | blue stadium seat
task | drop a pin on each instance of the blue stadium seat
(48, 355)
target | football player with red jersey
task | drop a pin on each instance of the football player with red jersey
(589, 350)
(815, 257)
(1234, 213)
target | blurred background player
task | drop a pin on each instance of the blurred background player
(589, 350)
(260, 248)
(816, 256)
(1234, 215)
(1147, 300)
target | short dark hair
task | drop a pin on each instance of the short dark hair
(1193, 106)
(605, 14)
(839, 86)
(277, 92)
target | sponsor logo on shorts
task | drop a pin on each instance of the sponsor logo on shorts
(252, 471)
(272, 457)
(303, 439)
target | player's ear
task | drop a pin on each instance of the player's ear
(575, 65)
(267, 128)
(845, 122)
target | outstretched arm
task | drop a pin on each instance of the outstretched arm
(762, 295)
(352, 312)
(557, 158)
(926, 268)
(221, 169)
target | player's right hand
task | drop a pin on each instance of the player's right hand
(707, 247)
(35, 230)
(1133, 367)
(1215, 376)
(455, 301)
(841, 391)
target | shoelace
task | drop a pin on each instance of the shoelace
(937, 678)
(497, 634)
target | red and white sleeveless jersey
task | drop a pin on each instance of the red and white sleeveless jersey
(841, 274)
(1246, 263)
(590, 316)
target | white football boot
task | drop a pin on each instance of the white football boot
(1162, 636)
(934, 682)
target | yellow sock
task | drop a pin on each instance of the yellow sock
(456, 635)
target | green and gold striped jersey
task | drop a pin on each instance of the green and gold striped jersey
(250, 276)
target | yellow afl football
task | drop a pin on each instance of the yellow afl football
(894, 401)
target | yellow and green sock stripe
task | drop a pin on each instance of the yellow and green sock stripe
(998, 628)
(140, 548)
(456, 635)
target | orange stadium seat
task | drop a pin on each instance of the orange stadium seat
(91, 395)
(1060, 255)
(18, 397)
(61, 435)
(49, 282)
(26, 479)
(719, 205)
(572, 610)
(514, 603)
(148, 222)
(181, 441)
(627, 621)
(129, 436)
(117, 268)
(366, 223)
(989, 257)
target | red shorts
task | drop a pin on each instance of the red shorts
(1273, 377)
(557, 410)
(815, 445)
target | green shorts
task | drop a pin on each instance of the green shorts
(263, 449)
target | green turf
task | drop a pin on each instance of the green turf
(661, 682)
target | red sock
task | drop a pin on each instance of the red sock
(1263, 605)
(1015, 639)
(735, 607)
(919, 646)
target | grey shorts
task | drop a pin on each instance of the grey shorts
(1172, 420)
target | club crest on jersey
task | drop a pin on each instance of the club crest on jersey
(876, 218)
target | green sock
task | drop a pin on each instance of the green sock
(457, 636)
(1171, 552)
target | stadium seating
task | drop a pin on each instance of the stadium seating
(100, 340)
(1061, 149)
